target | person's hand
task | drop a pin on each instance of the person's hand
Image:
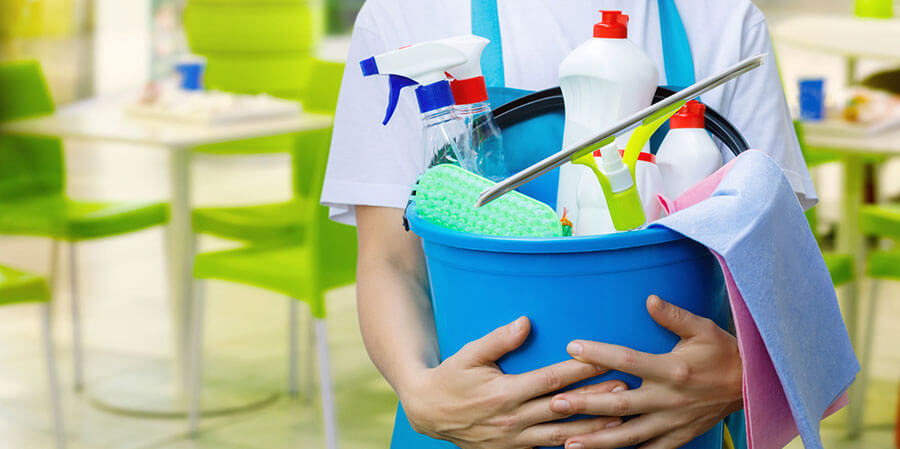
(468, 401)
(684, 393)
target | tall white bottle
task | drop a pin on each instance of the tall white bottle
(688, 154)
(603, 80)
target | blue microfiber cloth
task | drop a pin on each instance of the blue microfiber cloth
(753, 221)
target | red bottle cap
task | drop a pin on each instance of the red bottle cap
(691, 115)
(469, 91)
(613, 25)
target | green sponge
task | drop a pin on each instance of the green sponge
(445, 195)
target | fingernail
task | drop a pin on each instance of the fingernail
(517, 325)
(562, 406)
(612, 424)
(574, 446)
(657, 302)
(575, 348)
(618, 389)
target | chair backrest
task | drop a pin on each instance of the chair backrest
(29, 165)
(24, 91)
(334, 244)
(323, 86)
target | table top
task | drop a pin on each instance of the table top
(886, 143)
(843, 35)
(103, 118)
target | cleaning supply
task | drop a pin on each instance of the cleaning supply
(472, 107)
(623, 209)
(786, 313)
(607, 136)
(445, 194)
(649, 184)
(603, 80)
(424, 65)
(688, 153)
(477, 283)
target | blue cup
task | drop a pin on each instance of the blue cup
(191, 75)
(812, 99)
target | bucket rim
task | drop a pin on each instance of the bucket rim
(432, 233)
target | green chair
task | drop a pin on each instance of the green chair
(280, 221)
(839, 265)
(17, 287)
(883, 222)
(323, 258)
(251, 47)
(33, 200)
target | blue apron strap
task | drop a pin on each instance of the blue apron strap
(676, 48)
(486, 23)
(679, 63)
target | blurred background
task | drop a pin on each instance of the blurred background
(122, 342)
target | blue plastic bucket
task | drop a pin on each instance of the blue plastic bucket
(592, 288)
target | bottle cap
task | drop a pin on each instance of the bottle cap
(690, 116)
(434, 96)
(469, 91)
(613, 25)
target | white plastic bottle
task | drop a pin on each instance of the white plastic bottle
(649, 184)
(603, 80)
(688, 154)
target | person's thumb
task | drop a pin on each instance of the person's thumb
(683, 323)
(488, 349)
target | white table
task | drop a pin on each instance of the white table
(853, 38)
(103, 119)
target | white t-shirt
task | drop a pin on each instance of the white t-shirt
(375, 165)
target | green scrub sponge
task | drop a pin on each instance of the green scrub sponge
(445, 195)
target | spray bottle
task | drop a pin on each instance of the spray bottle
(472, 107)
(424, 65)
(616, 205)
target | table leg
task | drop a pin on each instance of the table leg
(159, 389)
(851, 241)
(181, 259)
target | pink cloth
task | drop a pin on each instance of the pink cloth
(770, 422)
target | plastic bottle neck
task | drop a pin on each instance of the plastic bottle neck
(437, 116)
(473, 109)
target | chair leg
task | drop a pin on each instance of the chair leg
(195, 369)
(858, 413)
(59, 427)
(53, 269)
(77, 348)
(293, 384)
(326, 386)
(310, 356)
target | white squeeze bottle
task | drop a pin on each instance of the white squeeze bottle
(603, 81)
(472, 107)
(688, 154)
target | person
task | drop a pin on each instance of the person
(466, 399)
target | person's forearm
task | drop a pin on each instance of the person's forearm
(395, 313)
(396, 322)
